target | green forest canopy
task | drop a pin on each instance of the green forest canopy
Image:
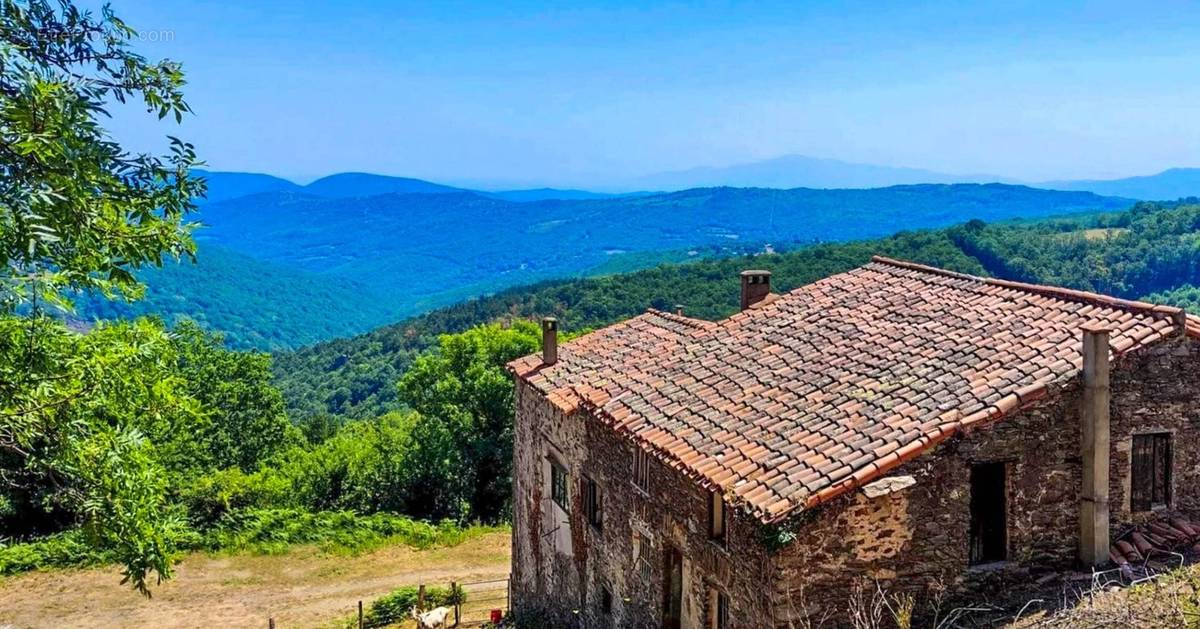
(1141, 252)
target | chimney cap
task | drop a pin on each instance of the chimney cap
(755, 272)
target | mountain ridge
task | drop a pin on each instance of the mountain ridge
(784, 173)
(400, 254)
(414, 252)
(802, 171)
(1170, 184)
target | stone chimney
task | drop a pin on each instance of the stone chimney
(549, 340)
(679, 309)
(756, 285)
(1094, 414)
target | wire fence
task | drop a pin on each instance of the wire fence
(479, 603)
(485, 602)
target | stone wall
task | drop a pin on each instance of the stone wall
(920, 541)
(672, 513)
(1157, 390)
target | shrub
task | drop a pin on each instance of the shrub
(272, 530)
(211, 497)
(56, 551)
(397, 605)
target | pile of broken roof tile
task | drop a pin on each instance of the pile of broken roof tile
(1152, 542)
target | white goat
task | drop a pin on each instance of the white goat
(432, 619)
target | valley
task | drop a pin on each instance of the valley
(1147, 252)
(351, 252)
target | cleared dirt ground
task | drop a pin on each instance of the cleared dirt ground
(302, 588)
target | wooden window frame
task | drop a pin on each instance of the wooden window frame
(593, 503)
(641, 470)
(718, 518)
(559, 493)
(642, 561)
(719, 607)
(1151, 461)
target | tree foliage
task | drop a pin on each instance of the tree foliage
(79, 416)
(245, 419)
(77, 211)
(462, 386)
(88, 422)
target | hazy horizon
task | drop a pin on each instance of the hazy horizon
(502, 185)
(523, 96)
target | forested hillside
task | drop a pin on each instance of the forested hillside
(255, 304)
(436, 249)
(364, 261)
(1148, 249)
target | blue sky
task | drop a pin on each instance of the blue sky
(584, 94)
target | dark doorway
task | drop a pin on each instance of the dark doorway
(673, 589)
(989, 513)
(1150, 485)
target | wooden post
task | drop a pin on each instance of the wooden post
(271, 623)
(454, 597)
(1094, 415)
(421, 597)
(360, 615)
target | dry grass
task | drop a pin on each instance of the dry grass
(304, 587)
(1170, 601)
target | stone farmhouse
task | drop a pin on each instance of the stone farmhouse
(926, 430)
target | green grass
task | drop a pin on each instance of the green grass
(272, 531)
(260, 531)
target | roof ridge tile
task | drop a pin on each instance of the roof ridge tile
(1087, 297)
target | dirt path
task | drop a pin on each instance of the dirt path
(303, 588)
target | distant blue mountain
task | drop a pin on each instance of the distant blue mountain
(543, 194)
(348, 185)
(434, 249)
(1168, 185)
(800, 171)
(230, 185)
(404, 253)
(223, 186)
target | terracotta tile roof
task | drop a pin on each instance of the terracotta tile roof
(1193, 326)
(832, 385)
